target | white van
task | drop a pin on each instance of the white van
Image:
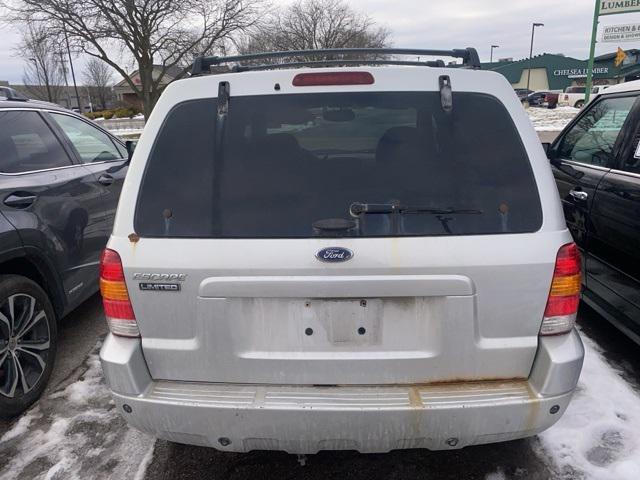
(341, 256)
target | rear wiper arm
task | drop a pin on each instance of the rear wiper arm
(356, 209)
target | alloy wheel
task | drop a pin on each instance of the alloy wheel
(24, 344)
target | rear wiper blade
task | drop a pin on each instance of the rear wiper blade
(356, 209)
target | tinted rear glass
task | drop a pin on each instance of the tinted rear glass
(287, 163)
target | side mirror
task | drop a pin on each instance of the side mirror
(131, 146)
(545, 147)
(551, 153)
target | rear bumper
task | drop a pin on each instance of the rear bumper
(306, 419)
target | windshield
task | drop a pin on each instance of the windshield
(288, 163)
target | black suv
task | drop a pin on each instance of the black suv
(596, 163)
(60, 179)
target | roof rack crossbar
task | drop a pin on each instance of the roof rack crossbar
(469, 56)
(320, 63)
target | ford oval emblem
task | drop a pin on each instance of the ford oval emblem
(334, 254)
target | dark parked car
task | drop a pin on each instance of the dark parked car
(551, 99)
(535, 99)
(596, 163)
(522, 93)
(541, 98)
(60, 179)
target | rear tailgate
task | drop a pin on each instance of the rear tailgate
(437, 309)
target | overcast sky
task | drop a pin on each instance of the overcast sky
(452, 24)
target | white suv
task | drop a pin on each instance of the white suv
(354, 257)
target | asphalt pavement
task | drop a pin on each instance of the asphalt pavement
(103, 446)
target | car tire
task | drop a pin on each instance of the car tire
(28, 340)
(579, 104)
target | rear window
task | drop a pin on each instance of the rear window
(292, 166)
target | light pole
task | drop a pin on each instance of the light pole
(533, 29)
(492, 47)
(73, 73)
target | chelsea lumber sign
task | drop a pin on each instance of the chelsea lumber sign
(579, 72)
(609, 7)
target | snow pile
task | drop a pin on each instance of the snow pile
(545, 119)
(599, 435)
(75, 433)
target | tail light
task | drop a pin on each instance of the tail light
(564, 296)
(332, 78)
(115, 297)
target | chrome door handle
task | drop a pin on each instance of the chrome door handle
(20, 200)
(579, 195)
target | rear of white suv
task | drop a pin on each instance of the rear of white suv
(365, 258)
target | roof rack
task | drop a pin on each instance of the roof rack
(11, 94)
(469, 56)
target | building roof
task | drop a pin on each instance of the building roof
(171, 74)
(611, 56)
(494, 65)
(561, 70)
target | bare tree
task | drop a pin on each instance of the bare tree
(43, 75)
(159, 35)
(315, 24)
(99, 76)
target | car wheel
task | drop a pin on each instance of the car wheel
(28, 334)
(579, 104)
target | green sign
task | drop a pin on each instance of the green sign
(610, 7)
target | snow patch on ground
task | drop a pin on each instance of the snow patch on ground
(545, 119)
(88, 387)
(146, 461)
(22, 426)
(598, 437)
(75, 433)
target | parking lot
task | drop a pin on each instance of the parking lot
(75, 432)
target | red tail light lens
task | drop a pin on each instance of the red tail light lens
(115, 297)
(564, 295)
(332, 78)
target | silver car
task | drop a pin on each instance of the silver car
(348, 257)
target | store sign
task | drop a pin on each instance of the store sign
(579, 72)
(621, 33)
(610, 7)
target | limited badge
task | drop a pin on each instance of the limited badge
(160, 287)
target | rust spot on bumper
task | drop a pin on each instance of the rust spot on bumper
(415, 400)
